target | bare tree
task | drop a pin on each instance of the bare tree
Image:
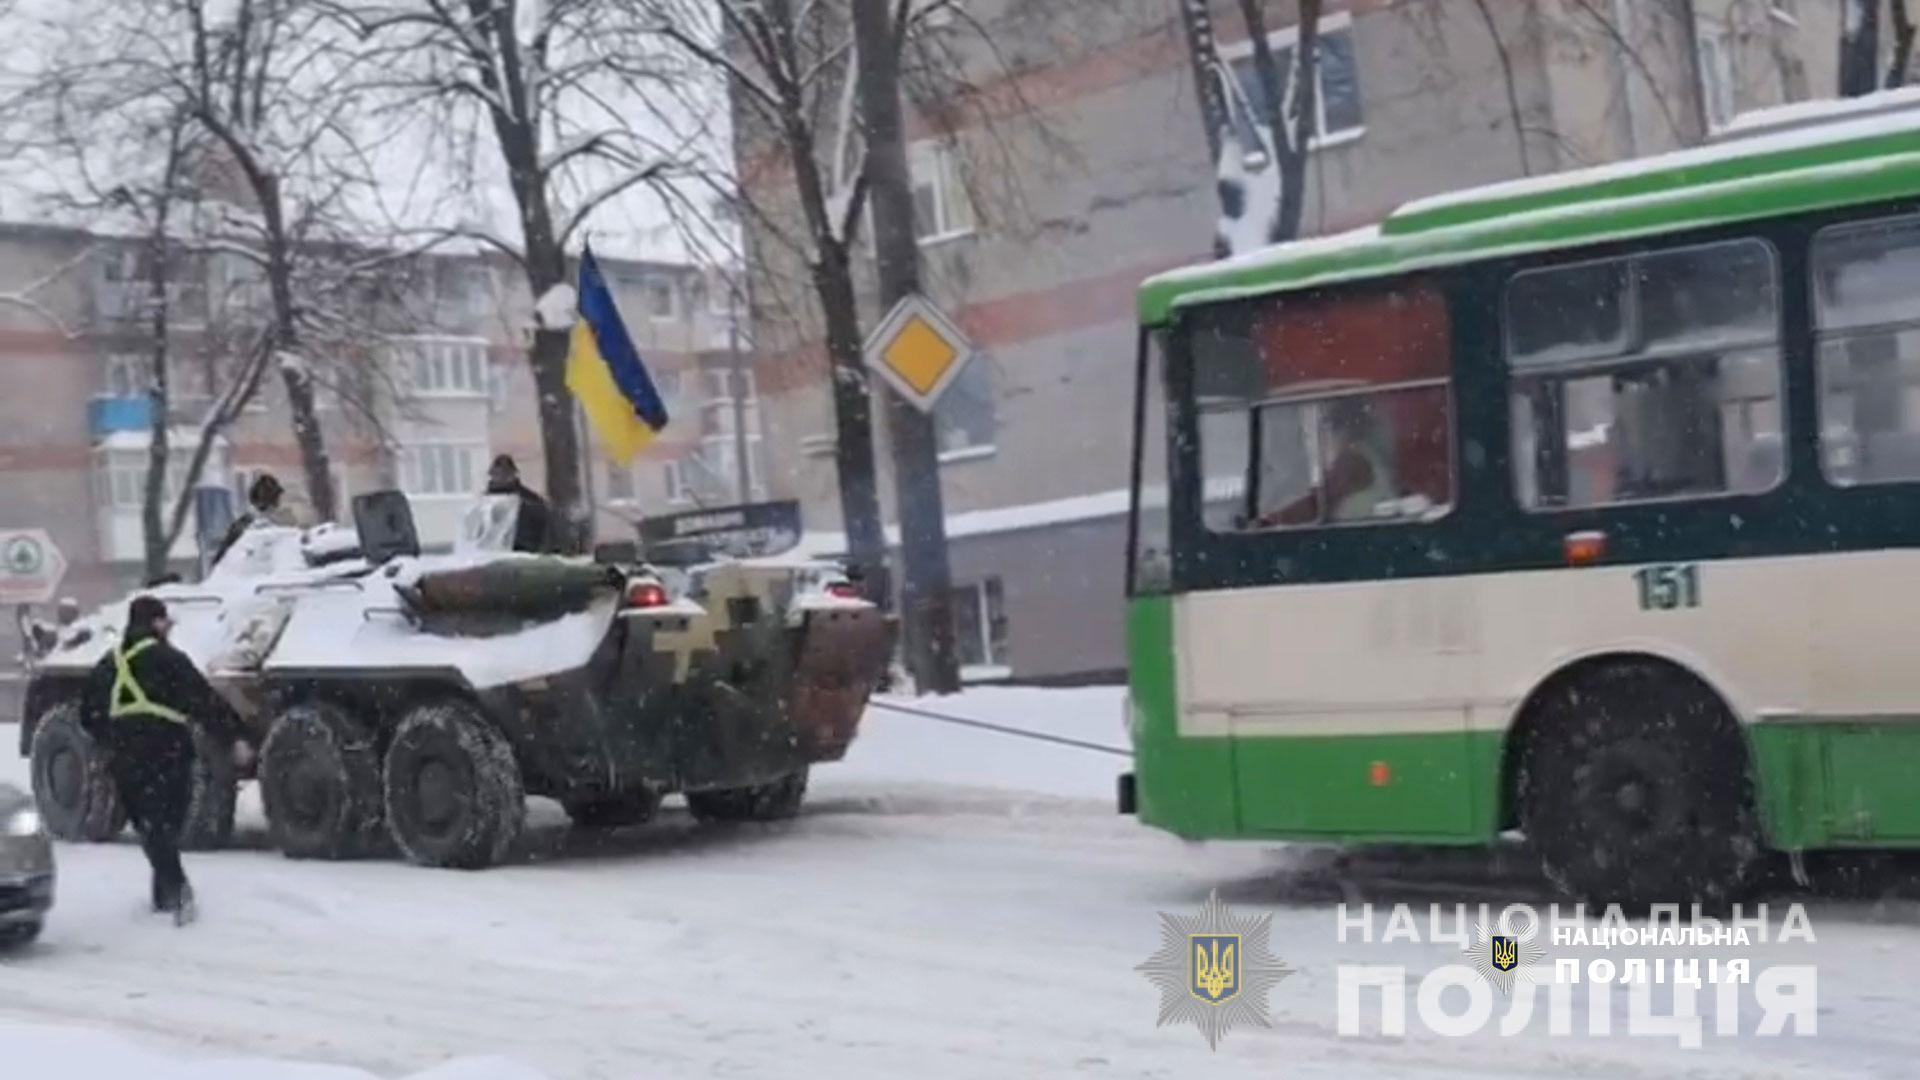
(565, 89)
(790, 73)
(1859, 47)
(1903, 37)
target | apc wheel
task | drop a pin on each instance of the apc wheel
(320, 783)
(616, 812)
(19, 935)
(216, 787)
(1634, 790)
(453, 791)
(762, 802)
(71, 781)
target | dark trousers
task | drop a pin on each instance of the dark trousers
(153, 768)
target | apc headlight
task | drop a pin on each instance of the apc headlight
(23, 823)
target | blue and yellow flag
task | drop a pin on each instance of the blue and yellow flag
(605, 373)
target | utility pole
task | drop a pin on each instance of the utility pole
(737, 374)
(926, 594)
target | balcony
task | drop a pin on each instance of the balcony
(107, 415)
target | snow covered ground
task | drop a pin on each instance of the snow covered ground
(954, 904)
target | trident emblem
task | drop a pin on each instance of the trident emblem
(1216, 967)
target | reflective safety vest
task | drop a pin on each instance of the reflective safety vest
(129, 697)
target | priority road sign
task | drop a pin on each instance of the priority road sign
(919, 351)
(31, 566)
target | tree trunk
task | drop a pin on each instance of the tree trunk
(853, 455)
(1859, 47)
(1903, 34)
(547, 355)
(1298, 147)
(157, 541)
(926, 596)
(295, 370)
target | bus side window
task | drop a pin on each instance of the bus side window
(1648, 376)
(1866, 293)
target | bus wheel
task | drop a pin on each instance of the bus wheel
(1633, 789)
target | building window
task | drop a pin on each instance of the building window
(964, 418)
(620, 484)
(719, 298)
(431, 469)
(980, 630)
(662, 298)
(128, 375)
(1338, 114)
(445, 367)
(674, 477)
(1717, 75)
(1652, 376)
(941, 207)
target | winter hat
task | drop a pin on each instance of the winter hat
(144, 612)
(266, 491)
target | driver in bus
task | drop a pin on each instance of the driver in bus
(1359, 474)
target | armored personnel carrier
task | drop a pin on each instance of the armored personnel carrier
(422, 697)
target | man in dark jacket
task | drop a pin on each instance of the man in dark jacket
(532, 531)
(139, 702)
(263, 505)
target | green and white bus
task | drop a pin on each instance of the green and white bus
(1587, 505)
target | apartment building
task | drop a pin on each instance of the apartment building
(1078, 165)
(418, 398)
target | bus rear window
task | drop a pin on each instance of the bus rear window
(1327, 408)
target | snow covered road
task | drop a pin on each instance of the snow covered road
(954, 904)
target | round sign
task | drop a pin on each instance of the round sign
(23, 557)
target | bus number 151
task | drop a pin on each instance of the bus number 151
(1669, 586)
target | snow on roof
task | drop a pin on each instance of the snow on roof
(1676, 161)
(1821, 111)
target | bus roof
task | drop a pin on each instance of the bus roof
(1863, 155)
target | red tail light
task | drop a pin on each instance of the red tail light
(845, 590)
(646, 594)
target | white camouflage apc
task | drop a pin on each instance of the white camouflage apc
(423, 697)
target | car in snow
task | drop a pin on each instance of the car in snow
(421, 698)
(26, 869)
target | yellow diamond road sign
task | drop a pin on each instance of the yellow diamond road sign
(919, 351)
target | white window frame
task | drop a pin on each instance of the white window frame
(719, 298)
(473, 453)
(1719, 74)
(674, 476)
(657, 281)
(461, 365)
(1288, 37)
(995, 667)
(136, 371)
(975, 451)
(939, 158)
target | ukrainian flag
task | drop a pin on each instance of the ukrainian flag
(605, 373)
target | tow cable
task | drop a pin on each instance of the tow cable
(945, 718)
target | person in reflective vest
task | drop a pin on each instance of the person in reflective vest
(141, 702)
